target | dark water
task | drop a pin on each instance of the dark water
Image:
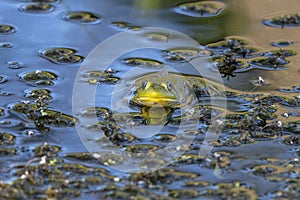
(265, 166)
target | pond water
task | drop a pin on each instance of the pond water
(69, 128)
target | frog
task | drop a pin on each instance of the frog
(160, 99)
(157, 101)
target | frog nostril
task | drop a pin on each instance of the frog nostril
(169, 86)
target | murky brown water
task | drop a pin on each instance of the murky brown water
(42, 47)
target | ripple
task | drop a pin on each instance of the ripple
(283, 21)
(82, 17)
(201, 9)
(38, 8)
(61, 55)
(7, 29)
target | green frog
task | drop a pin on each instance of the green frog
(162, 98)
(159, 100)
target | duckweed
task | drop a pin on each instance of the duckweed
(37, 8)
(201, 9)
(120, 25)
(5, 45)
(6, 29)
(61, 55)
(284, 21)
(82, 17)
(143, 62)
(46, 150)
(38, 76)
(2, 79)
(7, 138)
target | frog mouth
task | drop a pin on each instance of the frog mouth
(158, 101)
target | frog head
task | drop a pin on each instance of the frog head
(154, 94)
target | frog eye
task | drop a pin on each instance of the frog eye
(144, 84)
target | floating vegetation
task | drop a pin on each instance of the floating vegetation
(185, 54)
(62, 179)
(2, 79)
(109, 159)
(2, 112)
(15, 65)
(270, 63)
(292, 102)
(38, 111)
(38, 8)
(42, 1)
(201, 9)
(95, 77)
(6, 45)
(82, 17)
(61, 55)
(227, 65)
(38, 78)
(283, 21)
(99, 112)
(84, 156)
(46, 150)
(183, 193)
(235, 190)
(254, 153)
(7, 29)
(125, 26)
(157, 37)
(35, 94)
(295, 89)
(164, 137)
(282, 43)
(38, 75)
(7, 138)
(280, 53)
(143, 62)
(141, 148)
(236, 46)
(267, 170)
(293, 140)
